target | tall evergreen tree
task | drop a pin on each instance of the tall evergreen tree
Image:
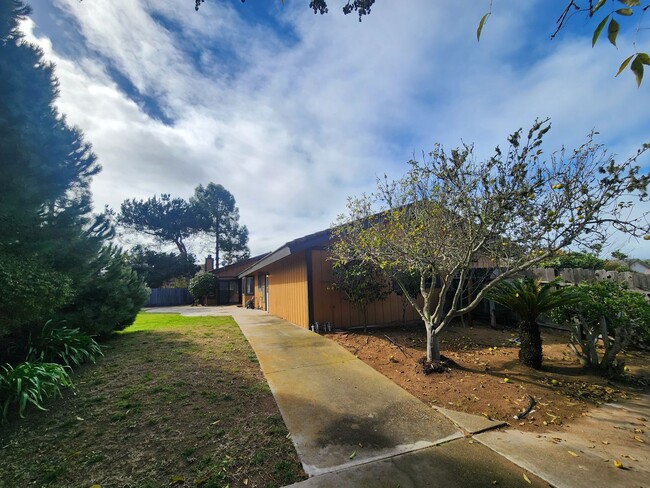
(220, 217)
(47, 230)
(165, 218)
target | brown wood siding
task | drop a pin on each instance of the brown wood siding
(330, 306)
(288, 289)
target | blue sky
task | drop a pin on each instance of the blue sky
(293, 112)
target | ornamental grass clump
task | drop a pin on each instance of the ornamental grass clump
(30, 383)
(63, 345)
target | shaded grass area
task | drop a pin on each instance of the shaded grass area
(175, 401)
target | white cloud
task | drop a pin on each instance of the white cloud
(291, 126)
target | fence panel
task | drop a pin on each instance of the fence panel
(168, 297)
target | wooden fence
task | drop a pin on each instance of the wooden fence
(635, 281)
(168, 297)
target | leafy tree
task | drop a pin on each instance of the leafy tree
(604, 312)
(451, 213)
(219, 216)
(202, 285)
(361, 283)
(572, 259)
(528, 299)
(619, 255)
(164, 218)
(156, 268)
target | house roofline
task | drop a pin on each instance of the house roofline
(291, 247)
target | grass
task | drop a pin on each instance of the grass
(165, 406)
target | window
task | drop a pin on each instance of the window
(250, 285)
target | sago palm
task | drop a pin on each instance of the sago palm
(528, 299)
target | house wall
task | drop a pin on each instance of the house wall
(330, 306)
(288, 289)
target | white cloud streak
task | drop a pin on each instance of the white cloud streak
(293, 125)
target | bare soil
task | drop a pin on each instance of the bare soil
(181, 405)
(488, 379)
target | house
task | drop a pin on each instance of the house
(295, 283)
(638, 266)
(229, 291)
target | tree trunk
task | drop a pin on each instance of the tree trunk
(433, 345)
(530, 353)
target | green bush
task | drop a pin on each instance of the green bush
(202, 285)
(110, 300)
(605, 313)
(31, 292)
(30, 383)
(63, 345)
(573, 260)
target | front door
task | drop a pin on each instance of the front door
(263, 282)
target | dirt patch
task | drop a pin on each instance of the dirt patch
(182, 405)
(487, 378)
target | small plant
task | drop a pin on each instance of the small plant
(30, 383)
(528, 299)
(63, 345)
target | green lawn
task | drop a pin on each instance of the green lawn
(175, 401)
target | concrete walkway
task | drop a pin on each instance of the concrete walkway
(352, 426)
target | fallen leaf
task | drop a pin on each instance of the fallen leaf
(618, 464)
(637, 438)
(177, 480)
(80, 419)
(605, 442)
(246, 481)
(526, 478)
(573, 453)
(353, 455)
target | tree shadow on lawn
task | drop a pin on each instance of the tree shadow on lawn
(186, 404)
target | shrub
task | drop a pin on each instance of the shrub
(63, 345)
(30, 383)
(608, 312)
(528, 299)
(202, 285)
(573, 260)
(110, 300)
(31, 292)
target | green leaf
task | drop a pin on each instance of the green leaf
(625, 11)
(637, 69)
(645, 58)
(612, 31)
(480, 26)
(598, 30)
(630, 3)
(597, 7)
(624, 65)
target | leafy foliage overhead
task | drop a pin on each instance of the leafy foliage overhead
(610, 14)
